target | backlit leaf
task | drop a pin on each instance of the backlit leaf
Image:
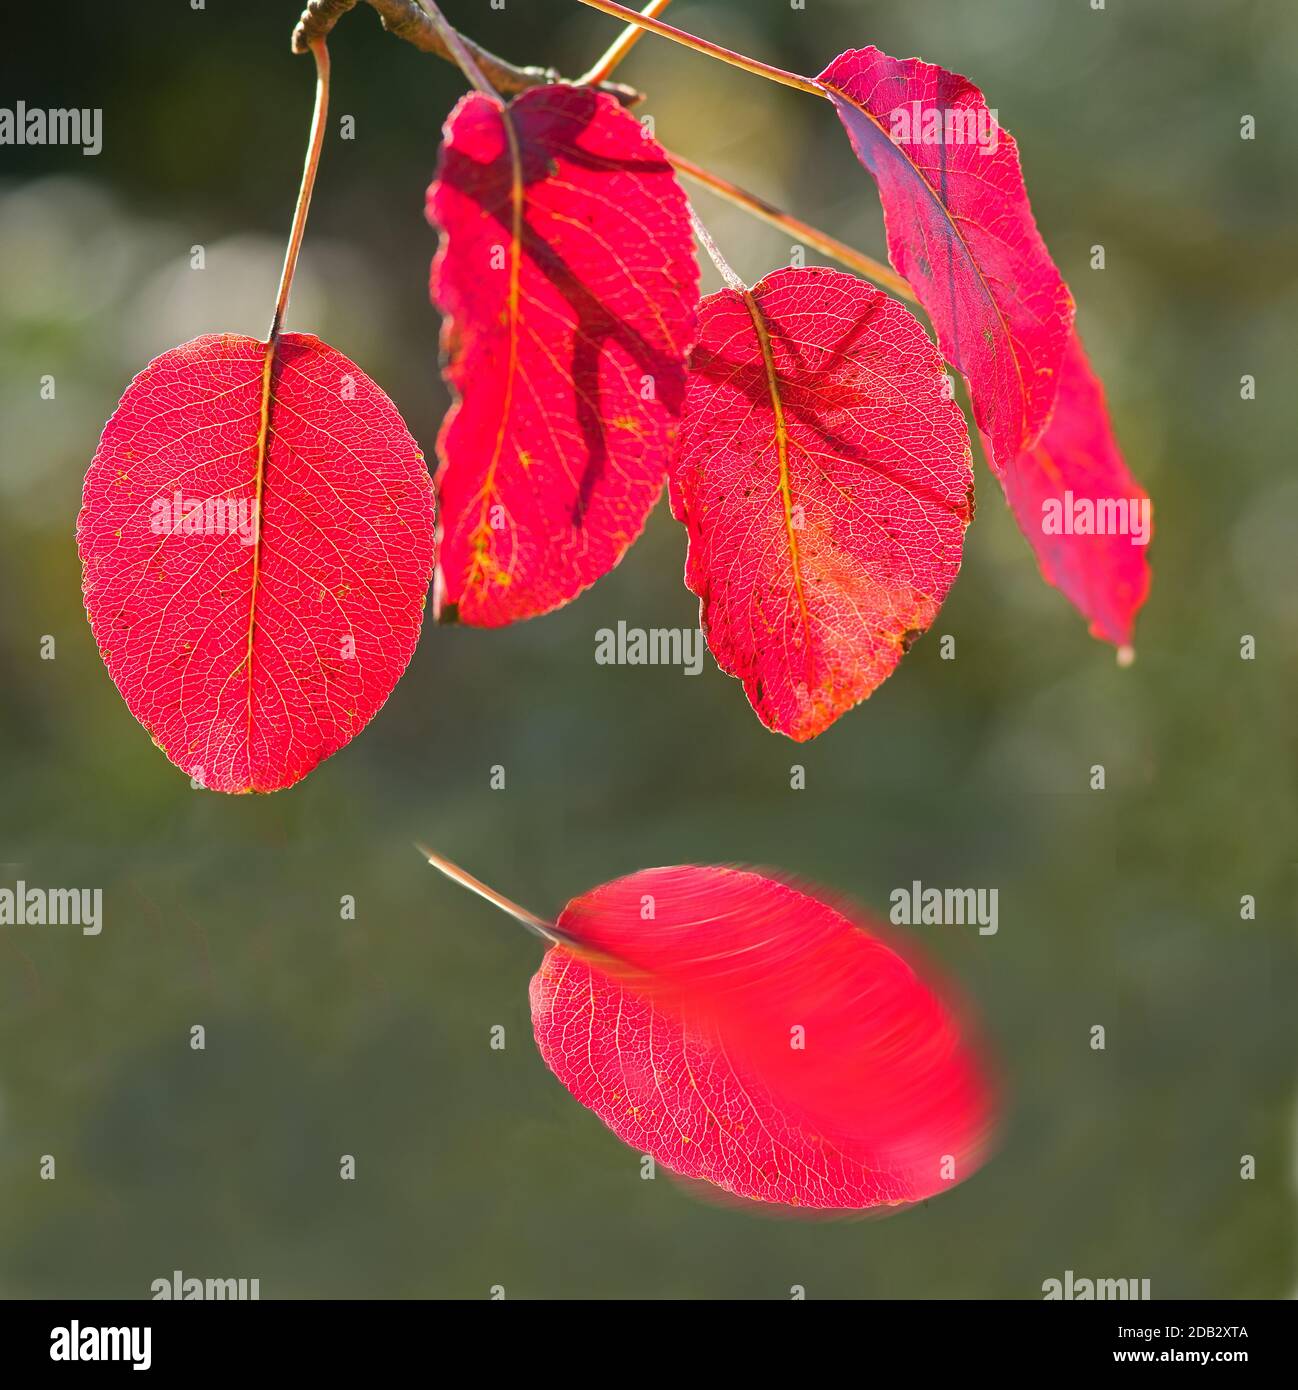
(1076, 474)
(823, 473)
(255, 563)
(960, 229)
(568, 279)
(750, 1035)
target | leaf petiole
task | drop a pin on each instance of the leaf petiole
(458, 49)
(621, 46)
(709, 49)
(530, 920)
(796, 227)
(714, 254)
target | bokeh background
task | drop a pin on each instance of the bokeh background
(371, 1037)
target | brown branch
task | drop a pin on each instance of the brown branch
(408, 20)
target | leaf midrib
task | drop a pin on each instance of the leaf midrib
(782, 450)
(959, 236)
(512, 315)
(263, 443)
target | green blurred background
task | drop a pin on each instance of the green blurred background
(371, 1037)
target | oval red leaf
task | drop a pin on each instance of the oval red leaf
(824, 476)
(567, 276)
(255, 579)
(1088, 520)
(960, 229)
(750, 1035)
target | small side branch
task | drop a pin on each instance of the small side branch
(411, 21)
(408, 20)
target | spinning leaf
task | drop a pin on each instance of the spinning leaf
(750, 1035)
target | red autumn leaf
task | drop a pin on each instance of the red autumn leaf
(748, 1034)
(1075, 475)
(255, 564)
(567, 276)
(960, 229)
(824, 477)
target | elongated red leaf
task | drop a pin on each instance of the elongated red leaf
(1086, 517)
(255, 563)
(960, 229)
(567, 276)
(823, 474)
(748, 1034)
